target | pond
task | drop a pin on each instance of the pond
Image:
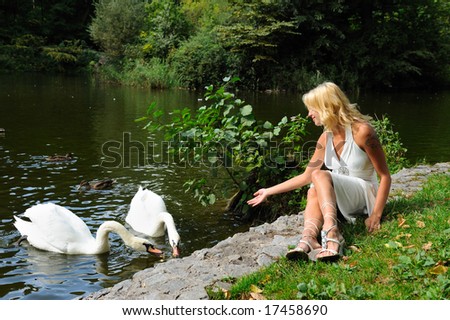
(44, 115)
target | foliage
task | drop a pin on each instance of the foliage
(56, 20)
(166, 28)
(392, 145)
(407, 259)
(270, 44)
(149, 73)
(32, 54)
(226, 136)
(199, 57)
(116, 25)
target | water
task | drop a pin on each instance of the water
(44, 115)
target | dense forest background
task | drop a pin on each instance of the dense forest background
(269, 44)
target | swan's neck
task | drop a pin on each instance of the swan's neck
(172, 232)
(112, 226)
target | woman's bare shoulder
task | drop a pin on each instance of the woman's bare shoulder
(364, 133)
(362, 129)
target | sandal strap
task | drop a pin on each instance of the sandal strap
(334, 252)
(325, 238)
(310, 225)
(307, 243)
(328, 203)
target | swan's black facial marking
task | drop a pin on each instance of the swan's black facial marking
(150, 248)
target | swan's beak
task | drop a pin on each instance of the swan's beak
(152, 250)
(175, 251)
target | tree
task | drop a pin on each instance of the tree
(117, 24)
(166, 28)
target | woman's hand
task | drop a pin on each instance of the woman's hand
(260, 196)
(372, 223)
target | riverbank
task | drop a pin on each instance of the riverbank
(241, 254)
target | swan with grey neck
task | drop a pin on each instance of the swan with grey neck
(148, 215)
(54, 228)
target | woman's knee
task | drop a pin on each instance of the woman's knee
(320, 176)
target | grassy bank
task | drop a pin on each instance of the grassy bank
(407, 259)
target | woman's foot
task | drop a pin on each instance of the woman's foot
(301, 252)
(332, 245)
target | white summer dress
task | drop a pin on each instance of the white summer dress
(354, 177)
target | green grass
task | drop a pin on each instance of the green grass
(407, 259)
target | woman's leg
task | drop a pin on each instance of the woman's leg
(313, 221)
(312, 226)
(326, 199)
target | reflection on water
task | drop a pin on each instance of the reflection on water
(43, 116)
(46, 115)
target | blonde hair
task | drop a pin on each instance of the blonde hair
(333, 106)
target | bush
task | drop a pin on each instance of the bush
(116, 24)
(392, 145)
(201, 60)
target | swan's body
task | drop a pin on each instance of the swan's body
(57, 229)
(148, 215)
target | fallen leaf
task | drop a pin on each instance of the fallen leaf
(420, 224)
(405, 226)
(393, 245)
(427, 246)
(401, 221)
(354, 248)
(440, 269)
(226, 294)
(266, 279)
(403, 235)
(255, 289)
(257, 296)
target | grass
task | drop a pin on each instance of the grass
(407, 259)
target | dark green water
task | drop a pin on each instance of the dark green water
(44, 115)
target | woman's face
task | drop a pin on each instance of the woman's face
(314, 115)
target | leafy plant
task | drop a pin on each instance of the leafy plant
(116, 24)
(225, 135)
(392, 145)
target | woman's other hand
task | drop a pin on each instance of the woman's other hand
(372, 224)
(259, 196)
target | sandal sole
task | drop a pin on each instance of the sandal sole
(296, 255)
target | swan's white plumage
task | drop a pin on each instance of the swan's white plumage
(148, 215)
(57, 229)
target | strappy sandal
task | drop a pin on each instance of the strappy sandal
(298, 253)
(336, 255)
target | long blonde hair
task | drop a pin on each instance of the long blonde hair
(333, 106)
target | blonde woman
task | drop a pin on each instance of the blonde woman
(350, 150)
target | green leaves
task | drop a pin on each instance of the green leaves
(224, 134)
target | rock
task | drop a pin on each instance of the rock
(187, 278)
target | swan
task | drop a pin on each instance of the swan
(97, 185)
(148, 215)
(57, 229)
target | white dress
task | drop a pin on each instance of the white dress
(354, 177)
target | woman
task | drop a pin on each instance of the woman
(350, 148)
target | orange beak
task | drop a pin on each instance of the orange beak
(175, 251)
(154, 251)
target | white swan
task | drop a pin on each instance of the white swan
(148, 215)
(57, 229)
